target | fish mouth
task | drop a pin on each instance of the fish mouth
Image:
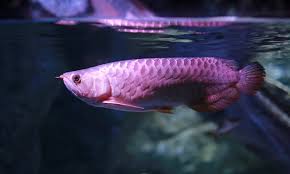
(71, 86)
(60, 77)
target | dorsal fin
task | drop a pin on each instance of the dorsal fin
(230, 63)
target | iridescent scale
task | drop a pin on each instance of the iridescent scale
(139, 78)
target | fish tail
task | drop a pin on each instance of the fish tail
(252, 78)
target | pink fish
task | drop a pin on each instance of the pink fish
(160, 84)
(157, 22)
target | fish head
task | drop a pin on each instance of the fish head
(90, 87)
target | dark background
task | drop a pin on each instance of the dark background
(43, 129)
(265, 8)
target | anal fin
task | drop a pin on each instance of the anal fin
(218, 101)
(167, 110)
(201, 108)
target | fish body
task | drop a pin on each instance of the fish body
(157, 22)
(160, 84)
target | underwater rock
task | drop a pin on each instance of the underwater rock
(277, 65)
(179, 143)
(265, 125)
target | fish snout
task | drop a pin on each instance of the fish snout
(60, 77)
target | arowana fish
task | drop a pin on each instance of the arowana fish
(160, 84)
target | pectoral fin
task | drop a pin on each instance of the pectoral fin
(119, 104)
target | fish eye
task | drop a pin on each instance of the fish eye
(76, 79)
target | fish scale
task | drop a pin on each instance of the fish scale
(203, 84)
(161, 23)
(172, 72)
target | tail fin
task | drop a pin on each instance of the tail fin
(252, 78)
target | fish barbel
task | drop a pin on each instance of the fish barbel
(159, 84)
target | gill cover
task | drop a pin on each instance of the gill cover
(102, 88)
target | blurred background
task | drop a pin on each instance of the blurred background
(46, 130)
(49, 8)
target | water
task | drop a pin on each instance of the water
(44, 129)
